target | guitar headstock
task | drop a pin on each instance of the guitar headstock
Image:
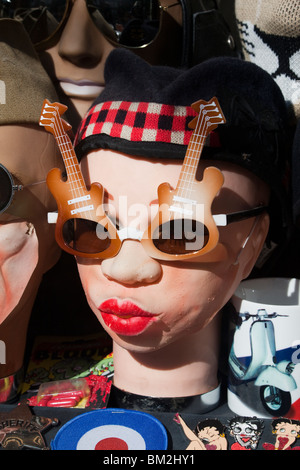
(211, 111)
(50, 117)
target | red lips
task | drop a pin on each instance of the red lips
(125, 318)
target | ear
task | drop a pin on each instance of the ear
(254, 246)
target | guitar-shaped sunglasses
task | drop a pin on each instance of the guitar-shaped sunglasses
(183, 227)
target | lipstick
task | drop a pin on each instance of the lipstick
(125, 318)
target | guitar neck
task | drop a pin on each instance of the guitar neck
(187, 176)
(209, 117)
(70, 159)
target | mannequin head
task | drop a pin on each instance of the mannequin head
(74, 51)
(24, 223)
(163, 315)
(73, 40)
(82, 48)
(27, 244)
(181, 298)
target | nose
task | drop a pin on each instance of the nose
(132, 265)
(81, 43)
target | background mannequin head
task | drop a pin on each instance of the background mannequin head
(176, 354)
(181, 33)
(27, 245)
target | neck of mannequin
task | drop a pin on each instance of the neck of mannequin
(184, 368)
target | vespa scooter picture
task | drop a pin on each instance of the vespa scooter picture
(273, 377)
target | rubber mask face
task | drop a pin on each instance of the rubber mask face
(27, 244)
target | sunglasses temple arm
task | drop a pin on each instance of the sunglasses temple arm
(32, 184)
(222, 220)
(245, 242)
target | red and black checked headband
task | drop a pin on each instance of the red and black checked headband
(142, 123)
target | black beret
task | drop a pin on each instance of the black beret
(144, 111)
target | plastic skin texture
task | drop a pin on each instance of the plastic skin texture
(27, 244)
(76, 62)
(163, 316)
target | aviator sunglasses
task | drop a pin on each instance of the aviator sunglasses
(129, 23)
(179, 231)
(8, 188)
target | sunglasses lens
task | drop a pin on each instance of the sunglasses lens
(85, 236)
(6, 189)
(40, 18)
(131, 23)
(180, 237)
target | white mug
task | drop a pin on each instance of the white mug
(264, 354)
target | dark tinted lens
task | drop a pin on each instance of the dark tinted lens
(40, 18)
(180, 236)
(132, 23)
(85, 236)
(6, 189)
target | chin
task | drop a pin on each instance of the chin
(136, 347)
(152, 339)
(82, 105)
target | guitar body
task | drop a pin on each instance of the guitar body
(196, 208)
(184, 224)
(90, 209)
(61, 191)
(82, 226)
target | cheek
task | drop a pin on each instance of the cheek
(89, 276)
(83, 273)
(13, 237)
(18, 259)
(192, 301)
(194, 297)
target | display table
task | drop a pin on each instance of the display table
(177, 440)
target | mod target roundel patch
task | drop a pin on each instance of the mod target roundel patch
(111, 429)
(111, 436)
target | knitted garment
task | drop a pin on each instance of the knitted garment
(270, 36)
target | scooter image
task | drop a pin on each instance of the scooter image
(274, 379)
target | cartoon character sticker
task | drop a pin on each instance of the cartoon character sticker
(208, 435)
(246, 432)
(287, 431)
